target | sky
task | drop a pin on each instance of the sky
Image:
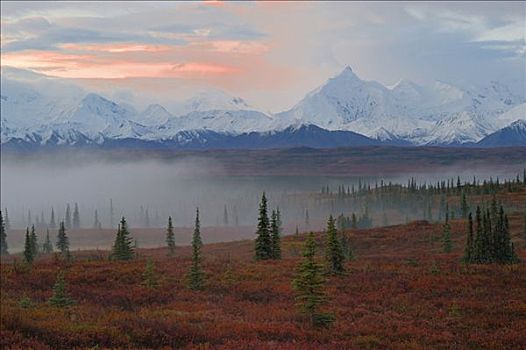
(269, 53)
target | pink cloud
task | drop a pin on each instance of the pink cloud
(236, 46)
(116, 48)
(93, 66)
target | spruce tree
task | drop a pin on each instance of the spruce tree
(225, 216)
(67, 220)
(96, 222)
(309, 282)
(63, 240)
(34, 241)
(464, 207)
(47, 248)
(127, 252)
(524, 228)
(52, 223)
(275, 235)
(3, 237)
(123, 247)
(76, 217)
(112, 220)
(263, 244)
(60, 297)
(354, 221)
(7, 224)
(333, 250)
(150, 278)
(28, 248)
(170, 237)
(469, 248)
(196, 275)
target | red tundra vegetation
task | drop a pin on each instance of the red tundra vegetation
(400, 292)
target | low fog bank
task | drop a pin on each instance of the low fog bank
(147, 191)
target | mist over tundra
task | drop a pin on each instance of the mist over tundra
(146, 189)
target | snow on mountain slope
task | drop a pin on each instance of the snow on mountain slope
(512, 135)
(340, 101)
(96, 114)
(219, 120)
(154, 114)
(211, 100)
(514, 114)
(37, 110)
(23, 105)
(441, 113)
(463, 127)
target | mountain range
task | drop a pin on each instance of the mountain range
(345, 111)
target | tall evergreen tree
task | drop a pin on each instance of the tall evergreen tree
(34, 241)
(7, 223)
(469, 248)
(333, 250)
(112, 217)
(3, 237)
(196, 275)
(47, 248)
(446, 236)
(263, 248)
(60, 297)
(28, 248)
(464, 207)
(52, 223)
(63, 240)
(76, 217)
(96, 221)
(309, 282)
(225, 216)
(123, 245)
(492, 241)
(354, 221)
(170, 237)
(275, 234)
(67, 220)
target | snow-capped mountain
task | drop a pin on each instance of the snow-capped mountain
(35, 110)
(516, 113)
(211, 100)
(27, 113)
(512, 135)
(228, 121)
(154, 114)
(439, 114)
